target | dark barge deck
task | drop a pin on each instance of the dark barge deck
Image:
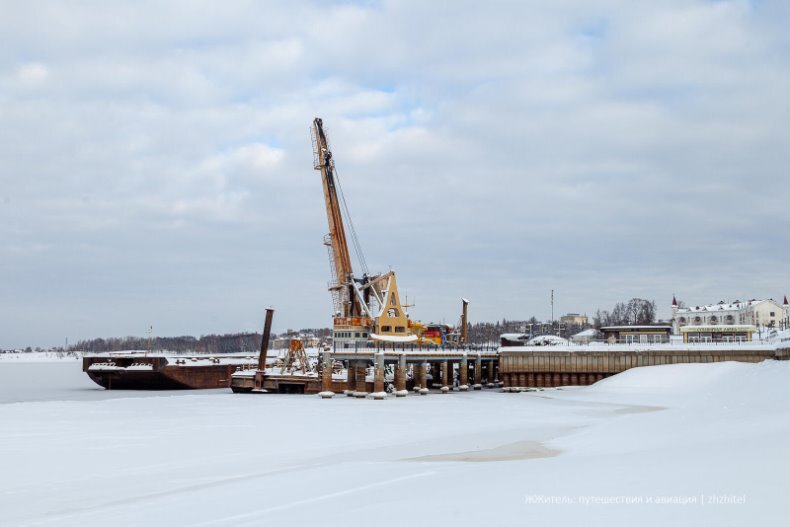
(132, 371)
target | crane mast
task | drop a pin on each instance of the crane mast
(366, 308)
(341, 286)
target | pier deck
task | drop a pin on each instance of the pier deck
(513, 368)
(535, 367)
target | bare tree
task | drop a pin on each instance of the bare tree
(637, 311)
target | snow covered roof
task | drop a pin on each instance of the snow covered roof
(614, 328)
(724, 306)
(714, 307)
(547, 340)
(591, 332)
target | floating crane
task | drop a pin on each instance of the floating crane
(366, 308)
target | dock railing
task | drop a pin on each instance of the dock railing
(417, 348)
(649, 346)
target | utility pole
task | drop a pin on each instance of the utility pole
(552, 309)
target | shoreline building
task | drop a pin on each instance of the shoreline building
(720, 333)
(719, 319)
(644, 334)
(575, 319)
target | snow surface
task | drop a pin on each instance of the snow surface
(547, 340)
(41, 356)
(24, 382)
(679, 435)
(393, 338)
(589, 332)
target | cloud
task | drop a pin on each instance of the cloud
(255, 159)
(32, 74)
(495, 151)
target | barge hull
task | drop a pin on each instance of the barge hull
(161, 373)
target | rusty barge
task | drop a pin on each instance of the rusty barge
(139, 371)
(295, 373)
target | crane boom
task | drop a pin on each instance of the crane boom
(356, 321)
(342, 270)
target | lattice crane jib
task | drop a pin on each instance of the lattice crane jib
(342, 273)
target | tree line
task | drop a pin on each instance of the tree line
(229, 343)
(249, 342)
(634, 312)
(637, 311)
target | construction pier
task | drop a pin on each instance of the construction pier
(378, 372)
(464, 369)
(584, 365)
(399, 371)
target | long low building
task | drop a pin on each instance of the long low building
(647, 334)
(718, 333)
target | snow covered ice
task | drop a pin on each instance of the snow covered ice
(686, 444)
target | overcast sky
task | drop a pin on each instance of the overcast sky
(156, 164)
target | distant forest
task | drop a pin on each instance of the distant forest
(233, 343)
(481, 332)
(212, 344)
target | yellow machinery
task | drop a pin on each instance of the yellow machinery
(366, 308)
(297, 356)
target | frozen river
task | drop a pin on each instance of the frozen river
(60, 380)
(680, 445)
